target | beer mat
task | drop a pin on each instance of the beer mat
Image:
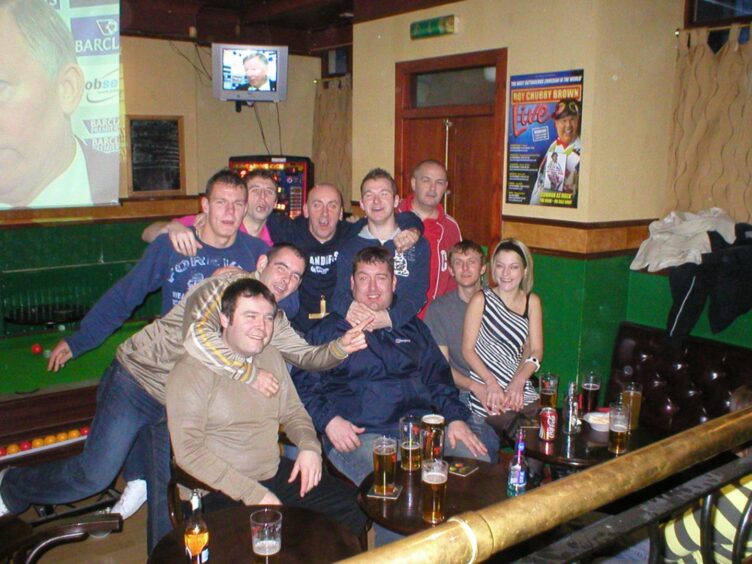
(394, 495)
(463, 469)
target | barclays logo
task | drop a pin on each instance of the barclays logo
(108, 26)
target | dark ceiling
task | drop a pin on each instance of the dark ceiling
(307, 26)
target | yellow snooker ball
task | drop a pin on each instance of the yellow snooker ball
(63, 436)
(50, 440)
(13, 448)
(74, 434)
(36, 443)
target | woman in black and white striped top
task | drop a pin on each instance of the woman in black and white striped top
(502, 340)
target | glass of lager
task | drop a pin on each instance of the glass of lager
(618, 428)
(266, 532)
(631, 397)
(549, 388)
(432, 437)
(410, 443)
(434, 483)
(384, 465)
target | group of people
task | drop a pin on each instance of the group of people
(247, 295)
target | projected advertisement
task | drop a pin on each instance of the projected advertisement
(59, 103)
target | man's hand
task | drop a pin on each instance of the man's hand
(183, 239)
(308, 465)
(59, 356)
(404, 240)
(343, 434)
(358, 312)
(355, 340)
(459, 431)
(265, 383)
(270, 499)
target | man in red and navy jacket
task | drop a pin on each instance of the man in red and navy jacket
(429, 183)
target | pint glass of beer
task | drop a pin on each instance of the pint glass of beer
(384, 465)
(631, 397)
(434, 483)
(618, 428)
(432, 437)
(410, 443)
(591, 389)
(549, 387)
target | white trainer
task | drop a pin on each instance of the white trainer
(3, 508)
(131, 500)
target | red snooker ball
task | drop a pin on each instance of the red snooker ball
(84, 431)
(36, 348)
(24, 445)
(3, 451)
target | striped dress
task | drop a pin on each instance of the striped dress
(501, 341)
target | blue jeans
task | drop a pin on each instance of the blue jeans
(124, 411)
(357, 464)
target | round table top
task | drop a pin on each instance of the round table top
(483, 487)
(230, 537)
(584, 449)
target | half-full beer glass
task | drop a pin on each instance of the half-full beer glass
(631, 397)
(618, 428)
(549, 389)
(432, 437)
(434, 484)
(384, 465)
(410, 443)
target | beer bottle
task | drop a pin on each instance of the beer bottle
(517, 479)
(571, 415)
(196, 532)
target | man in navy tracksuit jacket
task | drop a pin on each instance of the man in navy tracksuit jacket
(378, 198)
(320, 232)
(402, 371)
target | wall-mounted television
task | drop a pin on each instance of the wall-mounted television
(249, 73)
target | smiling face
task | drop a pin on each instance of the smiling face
(250, 328)
(378, 200)
(323, 210)
(224, 208)
(567, 128)
(262, 196)
(282, 273)
(255, 72)
(467, 268)
(36, 140)
(373, 285)
(429, 184)
(508, 270)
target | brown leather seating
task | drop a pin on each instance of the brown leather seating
(682, 387)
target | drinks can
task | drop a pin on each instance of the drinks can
(547, 424)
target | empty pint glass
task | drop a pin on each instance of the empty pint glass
(266, 532)
(549, 387)
(410, 443)
(631, 397)
(432, 437)
(434, 476)
(384, 465)
(618, 428)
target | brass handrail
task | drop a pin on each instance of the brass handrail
(476, 535)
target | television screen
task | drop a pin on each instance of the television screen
(252, 73)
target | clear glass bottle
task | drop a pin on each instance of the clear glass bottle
(517, 479)
(196, 532)
(570, 421)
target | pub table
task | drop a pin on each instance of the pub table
(483, 487)
(307, 537)
(584, 449)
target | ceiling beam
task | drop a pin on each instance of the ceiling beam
(367, 10)
(263, 12)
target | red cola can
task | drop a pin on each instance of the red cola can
(548, 418)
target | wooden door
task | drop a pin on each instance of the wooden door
(468, 139)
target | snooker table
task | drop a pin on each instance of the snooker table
(36, 403)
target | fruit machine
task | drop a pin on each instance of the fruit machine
(293, 176)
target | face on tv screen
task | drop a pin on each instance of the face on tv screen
(249, 69)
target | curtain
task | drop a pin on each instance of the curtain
(332, 134)
(710, 157)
